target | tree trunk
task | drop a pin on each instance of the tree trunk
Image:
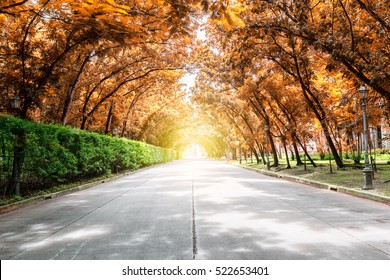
(292, 154)
(262, 154)
(306, 153)
(299, 161)
(286, 152)
(379, 136)
(17, 164)
(84, 122)
(234, 153)
(332, 147)
(109, 118)
(274, 151)
(72, 90)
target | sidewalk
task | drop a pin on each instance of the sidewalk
(368, 194)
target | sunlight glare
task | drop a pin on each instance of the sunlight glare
(195, 151)
(188, 80)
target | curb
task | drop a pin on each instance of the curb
(321, 185)
(33, 200)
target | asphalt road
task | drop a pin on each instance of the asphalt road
(198, 209)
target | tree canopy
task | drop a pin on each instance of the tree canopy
(117, 66)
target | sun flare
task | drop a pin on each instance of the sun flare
(195, 151)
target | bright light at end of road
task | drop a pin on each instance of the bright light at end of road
(195, 151)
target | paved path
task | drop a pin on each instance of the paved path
(198, 209)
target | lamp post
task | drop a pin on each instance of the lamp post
(266, 128)
(15, 103)
(367, 171)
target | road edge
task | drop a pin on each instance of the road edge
(322, 185)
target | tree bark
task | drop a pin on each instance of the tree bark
(296, 151)
(17, 164)
(72, 90)
(274, 151)
(286, 152)
(306, 153)
(109, 118)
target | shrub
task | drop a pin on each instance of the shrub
(55, 154)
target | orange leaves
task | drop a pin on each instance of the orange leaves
(295, 52)
(13, 7)
(104, 52)
(150, 3)
(89, 54)
(95, 9)
(3, 19)
(229, 17)
(232, 16)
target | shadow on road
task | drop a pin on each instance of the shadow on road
(202, 207)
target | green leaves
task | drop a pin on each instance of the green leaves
(55, 154)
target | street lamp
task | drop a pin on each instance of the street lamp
(367, 171)
(266, 128)
(15, 102)
(115, 132)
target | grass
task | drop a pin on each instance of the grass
(349, 177)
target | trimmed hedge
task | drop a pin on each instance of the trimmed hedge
(55, 154)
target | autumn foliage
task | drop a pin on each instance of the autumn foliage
(294, 66)
(94, 65)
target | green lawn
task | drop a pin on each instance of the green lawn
(350, 177)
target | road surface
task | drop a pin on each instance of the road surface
(198, 209)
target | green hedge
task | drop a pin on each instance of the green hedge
(55, 154)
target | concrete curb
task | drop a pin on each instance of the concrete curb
(33, 200)
(321, 185)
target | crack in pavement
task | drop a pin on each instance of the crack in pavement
(194, 238)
